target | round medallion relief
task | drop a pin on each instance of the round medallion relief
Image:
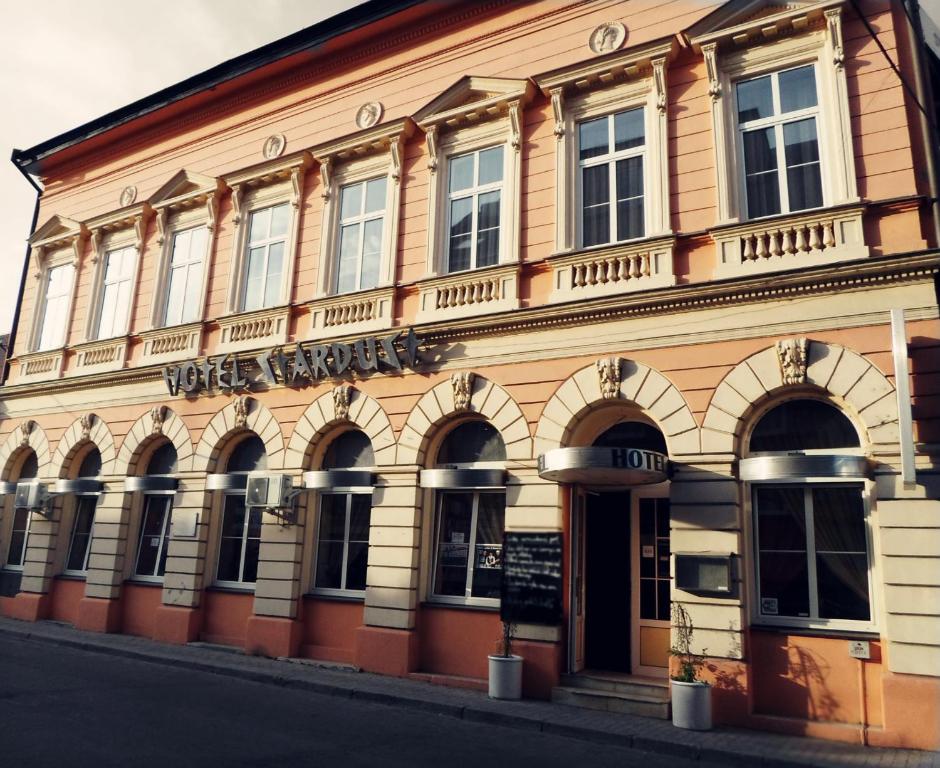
(128, 196)
(273, 146)
(369, 114)
(607, 37)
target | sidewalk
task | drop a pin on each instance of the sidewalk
(723, 746)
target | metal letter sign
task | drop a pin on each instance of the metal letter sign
(298, 366)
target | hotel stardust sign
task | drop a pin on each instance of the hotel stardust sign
(298, 366)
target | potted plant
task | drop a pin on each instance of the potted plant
(506, 668)
(691, 696)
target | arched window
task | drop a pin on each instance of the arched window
(633, 434)
(812, 539)
(19, 532)
(155, 521)
(345, 516)
(803, 425)
(469, 521)
(80, 541)
(240, 537)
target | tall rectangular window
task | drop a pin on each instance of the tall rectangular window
(361, 225)
(184, 277)
(240, 542)
(654, 559)
(55, 305)
(777, 117)
(474, 195)
(116, 291)
(610, 157)
(812, 553)
(154, 533)
(80, 542)
(264, 262)
(19, 536)
(468, 553)
(343, 541)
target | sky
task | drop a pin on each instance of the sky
(63, 63)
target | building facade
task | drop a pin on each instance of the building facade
(659, 277)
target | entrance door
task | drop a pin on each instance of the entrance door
(606, 576)
(651, 601)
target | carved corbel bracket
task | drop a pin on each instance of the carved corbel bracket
(241, 406)
(26, 432)
(212, 211)
(39, 253)
(238, 195)
(140, 232)
(161, 221)
(326, 174)
(430, 136)
(86, 422)
(297, 184)
(515, 124)
(157, 417)
(608, 376)
(97, 246)
(659, 83)
(791, 354)
(710, 52)
(396, 149)
(558, 110)
(834, 28)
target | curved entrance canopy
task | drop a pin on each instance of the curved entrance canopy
(622, 467)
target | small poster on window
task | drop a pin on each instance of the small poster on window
(154, 541)
(454, 554)
(649, 550)
(768, 606)
(457, 537)
(490, 556)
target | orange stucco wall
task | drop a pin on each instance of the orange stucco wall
(225, 617)
(139, 604)
(455, 641)
(329, 629)
(64, 598)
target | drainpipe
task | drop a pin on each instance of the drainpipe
(931, 136)
(19, 295)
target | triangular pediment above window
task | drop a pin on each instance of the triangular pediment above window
(55, 229)
(748, 21)
(183, 185)
(475, 98)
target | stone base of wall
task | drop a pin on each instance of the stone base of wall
(272, 636)
(387, 651)
(27, 606)
(99, 615)
(541, 670)
(177, 625)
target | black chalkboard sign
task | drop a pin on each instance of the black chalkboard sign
(531, 588)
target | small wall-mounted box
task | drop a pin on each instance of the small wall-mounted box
(704, 572)
(860, 649)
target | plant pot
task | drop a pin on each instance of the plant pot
(692, 705)
(505, 677)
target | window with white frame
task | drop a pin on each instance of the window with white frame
(54, 307)
(778, 138)
(611, 156)
(812, 542)
(117, 289)
(474, 208)
(469, 524)
(264, 257)
(155, 519)
(185, 275)
(84, 519)
(345, 515)
(361, 234)
(22, 517)
(240, 534)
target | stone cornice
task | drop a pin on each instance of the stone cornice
(875, 272)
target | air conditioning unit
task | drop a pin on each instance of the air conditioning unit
(270, 491)
(32, 496)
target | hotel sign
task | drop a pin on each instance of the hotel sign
(297, 366)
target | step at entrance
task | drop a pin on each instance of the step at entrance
(612, 692)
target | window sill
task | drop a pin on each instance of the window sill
(438, 604)
(138, 582)
(99, 356)
(42, 365)
(848, 634)
(232, 589)
(354, 312)
(334, 598)
(72, 576)
(468, 293)
(608, 270)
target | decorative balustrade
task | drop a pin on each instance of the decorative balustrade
(361, 312)
(99, 356)
(613, 270)
(791, 242)
(493, 289)
(251, 330)
(39, 366)
(166, 345)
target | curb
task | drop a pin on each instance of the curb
(457, 711)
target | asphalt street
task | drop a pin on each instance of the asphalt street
(70, 708)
